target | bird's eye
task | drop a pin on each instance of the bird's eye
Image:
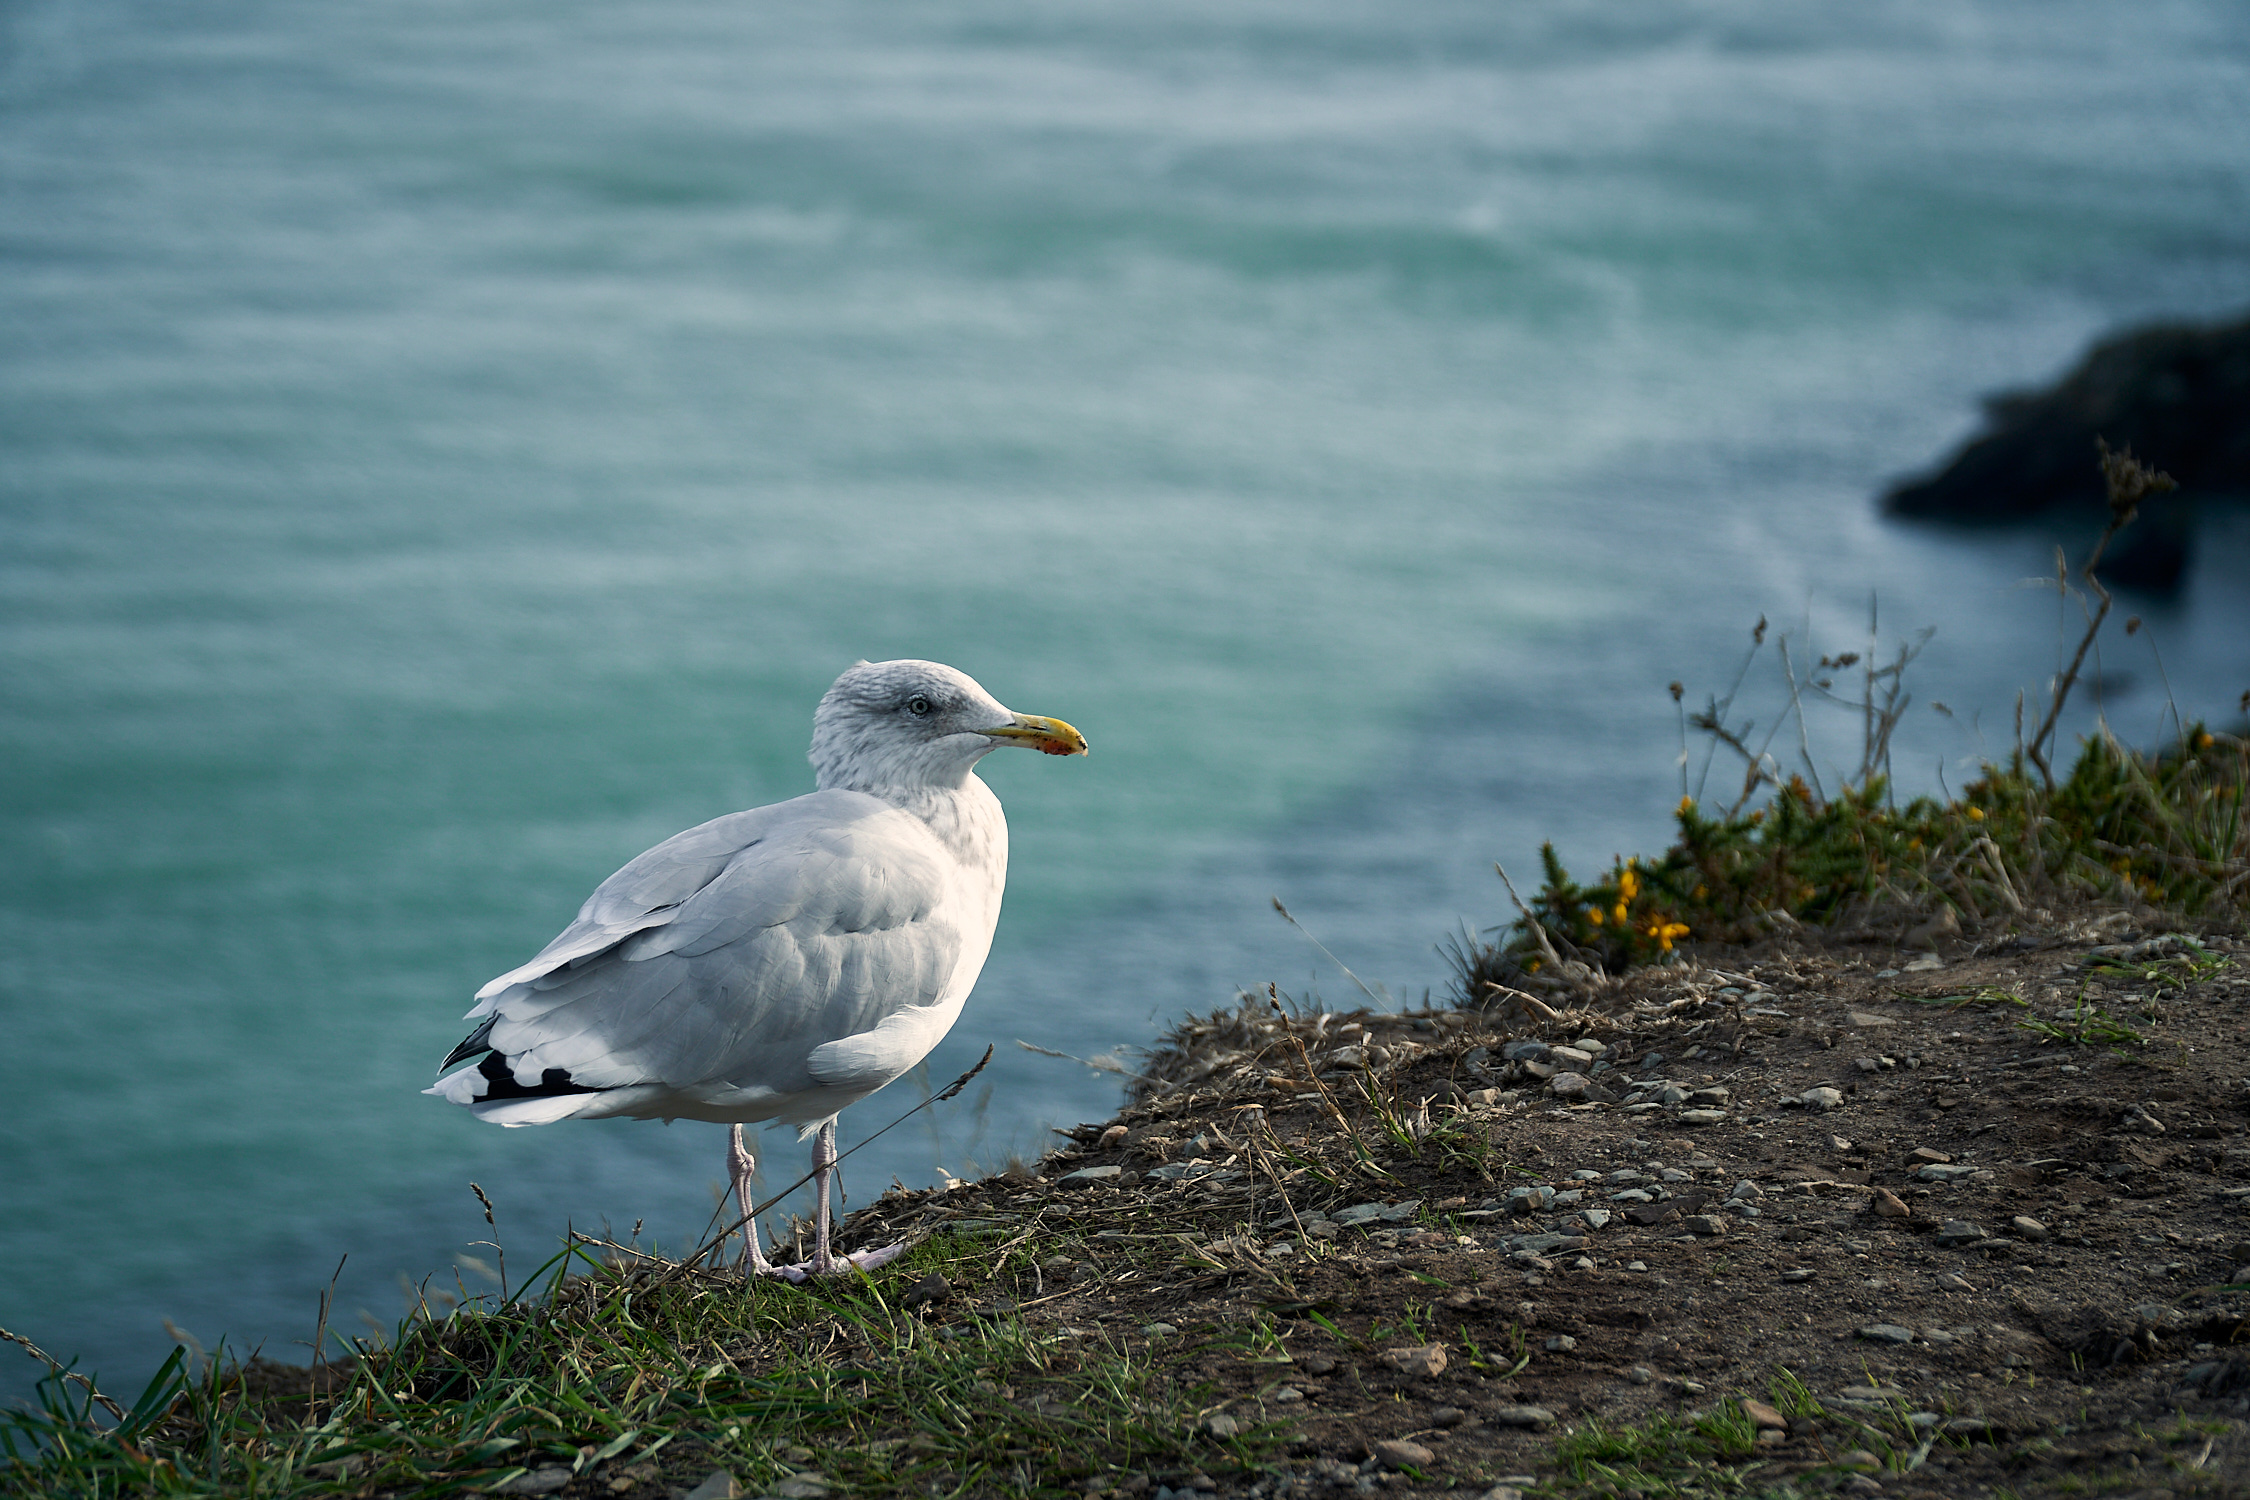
(918, 706)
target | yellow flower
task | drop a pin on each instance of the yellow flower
(1532, 967)
(1618, 912)
(1664, 932)
(1976, 815)
(1628, 885)
(1687, 804)
(2202, 741)
(1594, 915)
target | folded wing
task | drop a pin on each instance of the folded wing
(722, 958)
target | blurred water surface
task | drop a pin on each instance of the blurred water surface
(445, 449)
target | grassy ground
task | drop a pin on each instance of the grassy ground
(656, 1376)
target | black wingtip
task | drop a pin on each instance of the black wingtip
(474, 1043)
(500, 1082)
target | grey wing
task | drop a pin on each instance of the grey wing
(647, 892)
(826, 924)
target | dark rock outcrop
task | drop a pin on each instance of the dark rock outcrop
(2178, 395)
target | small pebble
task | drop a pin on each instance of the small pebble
(1762, 1415)
(1417, 1363)
(1957, 1232)
(1398, 1453)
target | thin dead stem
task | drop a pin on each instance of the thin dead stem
(2129, 482)
(63, 1373)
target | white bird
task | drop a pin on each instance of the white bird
(778, 964)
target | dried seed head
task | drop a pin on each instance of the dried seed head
(2130, 481)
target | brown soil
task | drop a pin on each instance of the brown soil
(2074, 1335)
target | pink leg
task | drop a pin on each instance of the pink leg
(740, 1164)
(823, 1168)
(822, 1262)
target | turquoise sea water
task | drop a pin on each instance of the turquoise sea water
(445, 449)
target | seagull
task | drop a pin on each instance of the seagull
(778, 964)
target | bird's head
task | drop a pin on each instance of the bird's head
(919, 723)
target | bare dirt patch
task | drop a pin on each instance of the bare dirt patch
(1960, 1225)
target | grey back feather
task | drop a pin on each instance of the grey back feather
(729, 952)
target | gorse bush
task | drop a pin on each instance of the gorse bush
(2163, 829)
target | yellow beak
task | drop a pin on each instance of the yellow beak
(1051, 736)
